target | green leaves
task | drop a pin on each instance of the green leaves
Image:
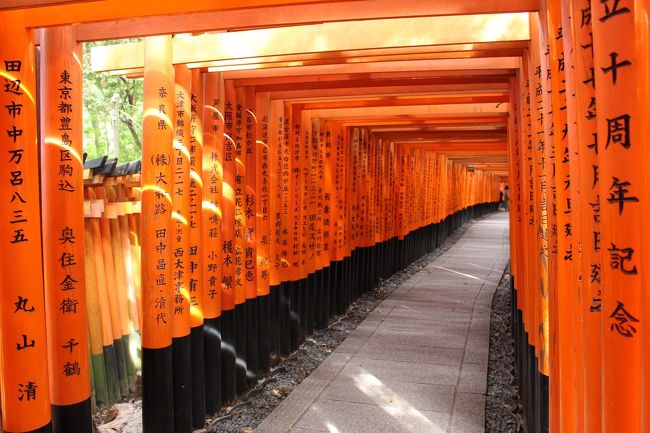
(111, 102)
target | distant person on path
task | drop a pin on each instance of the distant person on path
(506, 199)
(500, 200)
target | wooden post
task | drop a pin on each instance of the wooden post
(585, 207)
(620, 171)
(157, 137)
(293, 224)
(218, 350)
(264, 167)
(111, 286)
(249, 158)
(63, 230)
(181, 348)
(229, 353)
(195, 255)
(95, 328)
(110, 329)
(642, 42)
(24, 382)
(273, 140)
(238, 132)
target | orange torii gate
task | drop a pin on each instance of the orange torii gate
(310, 185)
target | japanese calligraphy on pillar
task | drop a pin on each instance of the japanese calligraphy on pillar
(250, 194)
(63, 224)
(157, 182)
(263, 190)
(228, 201)
(306, 253)
(287, 185)
(296, 191)
(213, 177)
(620, 172)
(24, 377)
(589, 179)
(239, 193)
(315, 197)
(195, 192)
(181, 205)
(279, 188)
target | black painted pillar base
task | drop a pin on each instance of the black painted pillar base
(72, 418)
(182, 367)
(240, 347)
(228, 357)
(212, 356)
(285, 318)
(252, 341)
(533, 385)
(197, 338)
(294, 315)
(45, 429)
(264, 333)
(157, 390)
(274, 318)
(309, 299)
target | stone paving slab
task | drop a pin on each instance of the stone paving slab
(418, 363)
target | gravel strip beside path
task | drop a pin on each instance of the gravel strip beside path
(502, 406)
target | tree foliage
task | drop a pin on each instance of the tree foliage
(110, 99)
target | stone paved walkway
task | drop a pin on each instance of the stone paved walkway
(418, 363)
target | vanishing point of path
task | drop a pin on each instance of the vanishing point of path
(418, 363)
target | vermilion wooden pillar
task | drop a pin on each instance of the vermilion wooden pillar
(585, 177)
(157, 182)
(63, 229)
(570, 249)
(195, 253)
(284, 221)
(561, 329)
(182, 352)
(24, 382)
(294, 178)
(228, 296)
(277, 318)
(264, 167)
(249, 274)
(237, 134)
(642, 45)
(578, 303)
(215, 300)
(621, 172)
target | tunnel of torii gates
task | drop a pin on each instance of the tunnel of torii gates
(294, 153)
